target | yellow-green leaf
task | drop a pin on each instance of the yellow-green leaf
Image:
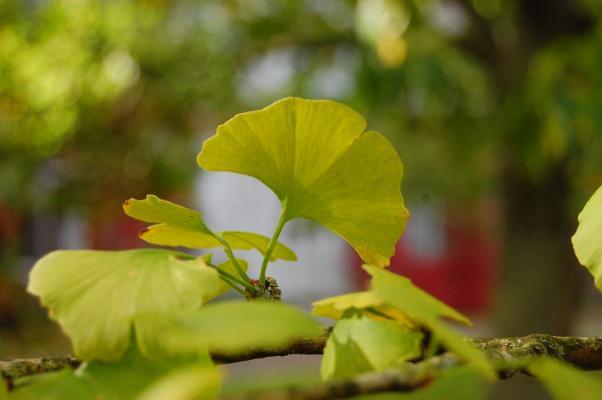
(425, 310)
(314, 157)
(101, 297)
(565, 382)
(248, 241)
(131, 378)
(176, 226)
(587, 241)
(361, 344)
(414, 302)
(238, 326)
(155, 210)
(335, 307)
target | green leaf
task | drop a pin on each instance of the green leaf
(565, 382)
(100, 297)
(335, 307)
(177, 226)
(196, 382)
(414, 302)
(361, 344)
(463, 383)
(314, 157)
(237, 326)
(587, 241)
(132, 377)
(424, 309)
(248, 241)
(155, 210)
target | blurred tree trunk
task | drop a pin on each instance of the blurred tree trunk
(540, 281)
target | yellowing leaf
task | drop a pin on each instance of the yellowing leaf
(314, 157)
(424, 309)
(155, 210)
(587, 241)
(176, 226)
(248, 241)
(335, 307)
(238, 326)
(565, 382)
(361, 344)
(100, 297)
(400, 292)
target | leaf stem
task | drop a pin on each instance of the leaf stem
(230, 254)
(273, 241)
(232, 284)
(231, 277)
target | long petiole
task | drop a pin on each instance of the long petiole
(231, 277)
(266, 259)
(230, 255)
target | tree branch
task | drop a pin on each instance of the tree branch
(404, 379)
(582, 352)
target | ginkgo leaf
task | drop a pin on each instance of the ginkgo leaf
(361, 344)
(238, 326)
(177, 226)
(247, 241)
(400, 292)
(587, 241)
(155, 210)
(461, 383)
(335, 307)
(100, 297)
(131, 378)
(314, 157)
(565, 382)
(425, 310)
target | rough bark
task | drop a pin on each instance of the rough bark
(582, 352)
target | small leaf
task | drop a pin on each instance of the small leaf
(565, 382)
(237, 326)
(400, 292)
(587, 241)
(126, 379)
(99, 297)
(177, 226)
(463, 383)
(197, 382)
(248, 241)
(424, 309)
(361, 344)
(335, 307)
(155, 210)
(314, 157)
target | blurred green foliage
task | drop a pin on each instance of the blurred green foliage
(110, 98)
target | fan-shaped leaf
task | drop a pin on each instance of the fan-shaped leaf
(237, 326)
(335, 307)
(99, 297)
(361, 344)
(414, 302)
(587, 241)
(313, 155)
